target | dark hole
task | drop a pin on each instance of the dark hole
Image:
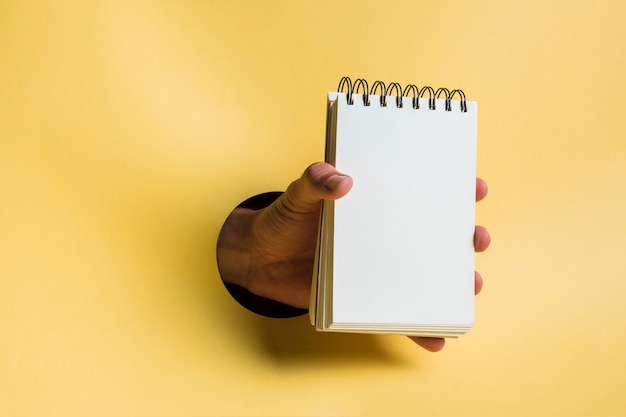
(256, 304)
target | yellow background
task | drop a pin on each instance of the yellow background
(129, 130)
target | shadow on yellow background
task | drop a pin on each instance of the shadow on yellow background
(290, 343)
(129, 131)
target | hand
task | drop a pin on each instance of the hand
(271, 251)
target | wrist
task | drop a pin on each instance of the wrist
(233, 247)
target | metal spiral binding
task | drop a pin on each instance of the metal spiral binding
(383, 92)
(411, 90)
(360, 82)
(463, 100)
(431, 96)
(398, 88)
(416, 93)
(447, 93)
(346, 81)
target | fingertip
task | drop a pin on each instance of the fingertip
(339, 185)
(319, 169)
(482, 239)
(431, 344)
(481, 189)
(478, 283)
(334, 181)
(325, 179)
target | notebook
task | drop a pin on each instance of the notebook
(396, 254)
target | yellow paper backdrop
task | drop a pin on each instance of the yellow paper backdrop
(130, 129)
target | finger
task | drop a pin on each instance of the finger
(431, 344)
(482, 239)
(481, 189)
(478, 283)
(320, 181)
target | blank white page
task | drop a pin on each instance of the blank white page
(403, 249)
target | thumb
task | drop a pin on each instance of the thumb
(320, 181)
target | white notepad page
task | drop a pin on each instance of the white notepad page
(403, 250)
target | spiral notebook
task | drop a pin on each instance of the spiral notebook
(396, 254)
